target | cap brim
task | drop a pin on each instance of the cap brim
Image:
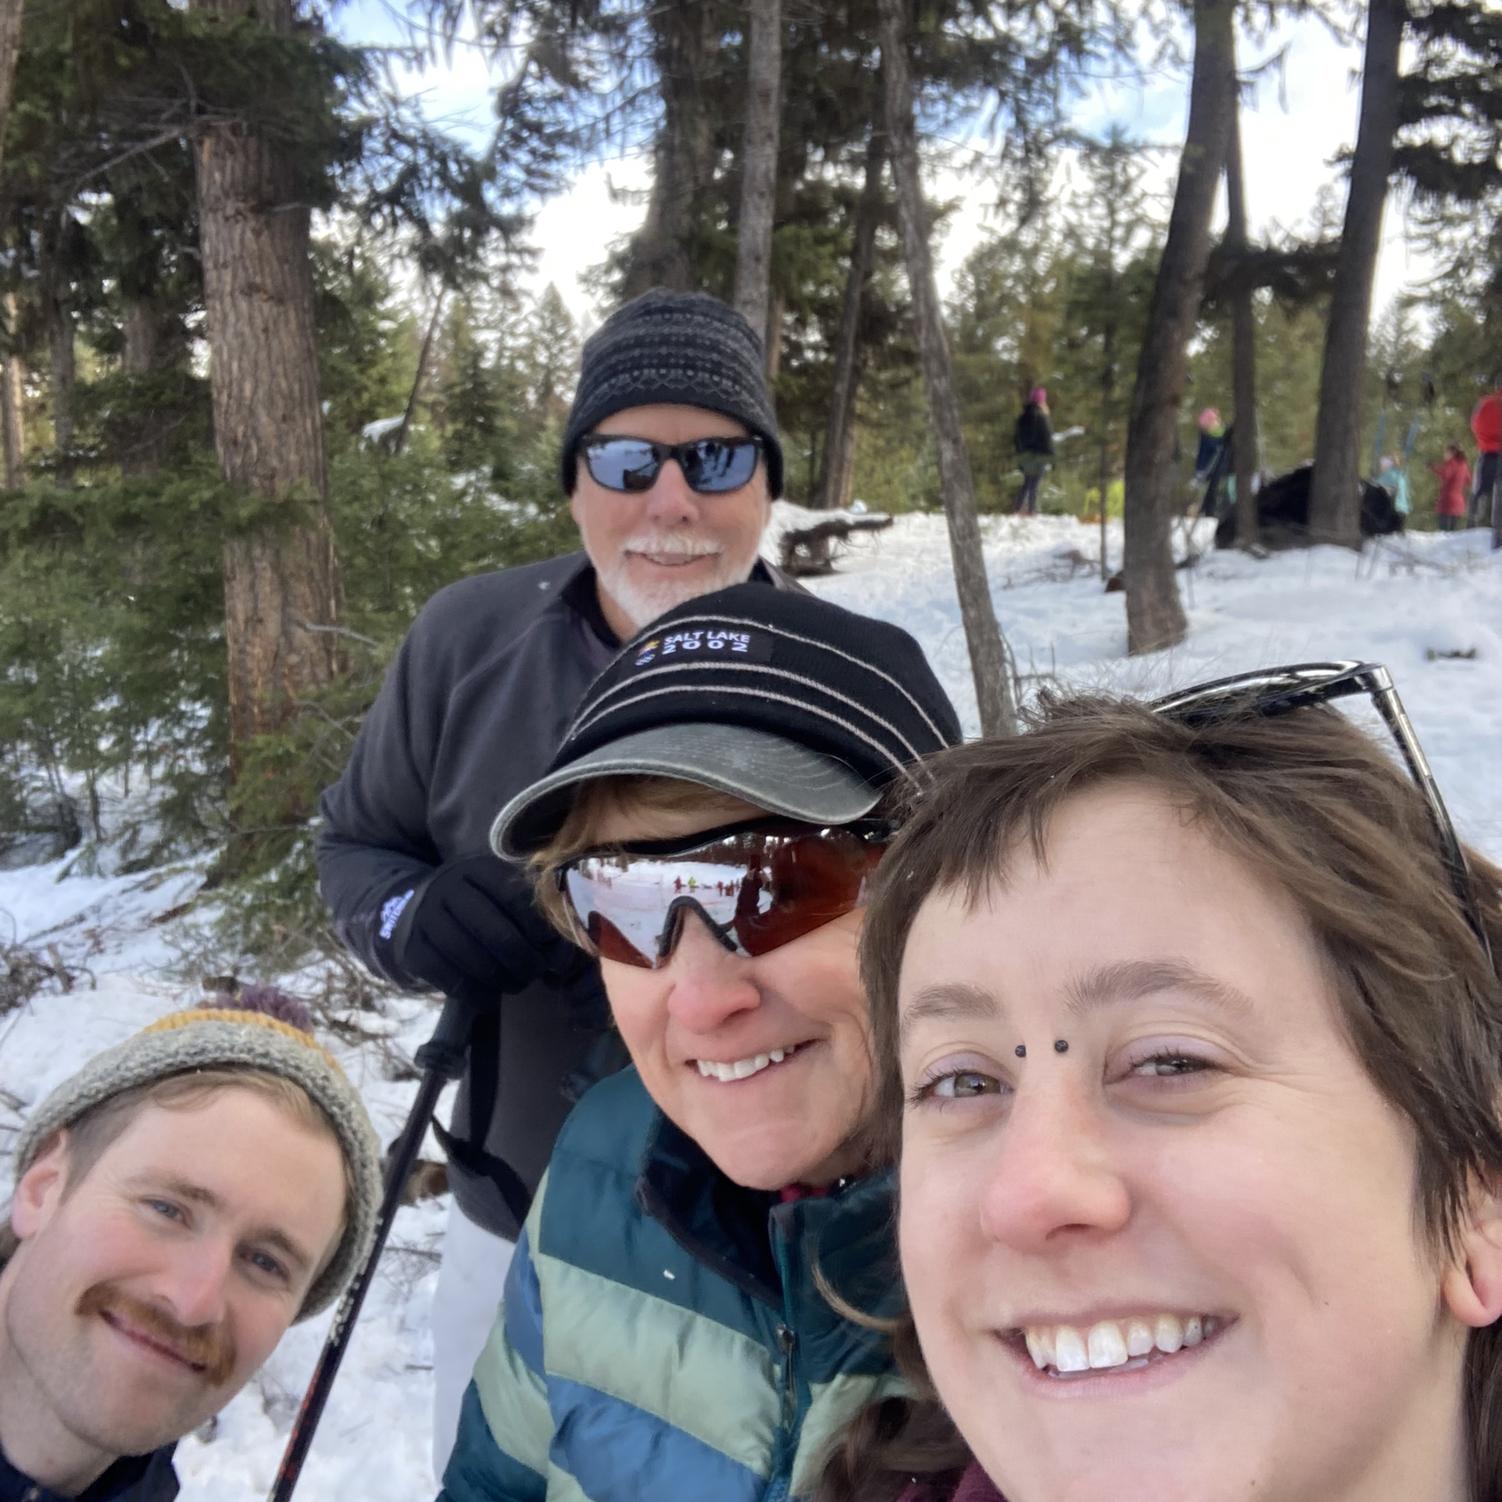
(779, 775)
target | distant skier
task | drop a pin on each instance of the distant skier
(1393, 478)
(1486, 425)
(1033, 440)
(1454, 487)
(1212, 441)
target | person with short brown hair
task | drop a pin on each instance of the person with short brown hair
(1189, 1031)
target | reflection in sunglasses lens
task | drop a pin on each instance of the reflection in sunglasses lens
(755, 891)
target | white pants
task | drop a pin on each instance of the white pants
(471, 1279)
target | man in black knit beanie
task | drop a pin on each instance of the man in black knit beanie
(671, 460)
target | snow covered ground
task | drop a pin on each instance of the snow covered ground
(123, 938)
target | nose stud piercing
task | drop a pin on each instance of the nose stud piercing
(1061, 1045)
(1020, 1050)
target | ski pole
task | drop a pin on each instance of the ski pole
(441, 1059)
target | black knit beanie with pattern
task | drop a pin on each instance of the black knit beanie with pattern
(676, 348)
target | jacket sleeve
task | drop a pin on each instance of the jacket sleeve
(506, 1424)
(374, 841)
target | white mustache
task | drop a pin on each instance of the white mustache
(672, 544)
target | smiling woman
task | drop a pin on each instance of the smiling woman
(708, 830)
(1263, 1170)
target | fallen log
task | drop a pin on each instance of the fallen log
(811, 550)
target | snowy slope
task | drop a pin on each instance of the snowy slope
(1400, 602)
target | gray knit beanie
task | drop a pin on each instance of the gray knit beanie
(682, 348)
(245, 1033)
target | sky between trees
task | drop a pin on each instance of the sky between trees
(1300, 117)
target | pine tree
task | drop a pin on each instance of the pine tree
(1155, 616)
(1334, 488)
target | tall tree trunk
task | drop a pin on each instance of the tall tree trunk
(423, 355)
(12, 435)
(281, 581)
(1243, 339)
(685, 33)
(153, 342)
(12, 413)
(60, 338)
(1155, 618)
(1108, 336)
(1107, 409)
(10, 54)
(1334, 488)
(988, 655)
(776, 307)
(753, 257)
(838, 464)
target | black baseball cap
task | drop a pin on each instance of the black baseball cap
(775, 696)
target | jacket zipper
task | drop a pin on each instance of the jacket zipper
(787, 1343)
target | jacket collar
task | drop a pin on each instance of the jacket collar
(132, 1478)
(762, 1245)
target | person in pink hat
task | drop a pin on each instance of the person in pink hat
(1033, 440)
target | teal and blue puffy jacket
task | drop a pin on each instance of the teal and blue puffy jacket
(662, 1335)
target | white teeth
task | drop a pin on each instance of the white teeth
(1040, 1346)
(1066, 1349)
(1107, 1348)
(742, 1069)
(1070, 1354)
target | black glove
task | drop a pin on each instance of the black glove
(471, 927)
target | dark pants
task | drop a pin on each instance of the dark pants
(1026, 503)
(1482, 510)
(1449, 523)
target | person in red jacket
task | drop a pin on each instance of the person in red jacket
(1454, 484)
(1486, 425)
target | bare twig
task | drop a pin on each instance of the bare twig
(340, 631)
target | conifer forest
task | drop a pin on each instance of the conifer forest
(281, 353)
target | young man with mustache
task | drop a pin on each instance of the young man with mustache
(671, 461)
(179, 1202)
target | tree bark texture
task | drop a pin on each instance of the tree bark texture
(838, 462)
(753, 255)
(154, 342)
(1155, 617)
(10, 54)
(12, 412)
(1243, 342)
(1334, 488)
(988, 655)
(12, 433)
(280, 579)
(1112, 210)
(685, 33)
(64, 383)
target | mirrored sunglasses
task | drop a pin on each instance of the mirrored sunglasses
(756, 886)
(710, 465)
(1272, 691)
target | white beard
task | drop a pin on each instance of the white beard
(643, 601)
